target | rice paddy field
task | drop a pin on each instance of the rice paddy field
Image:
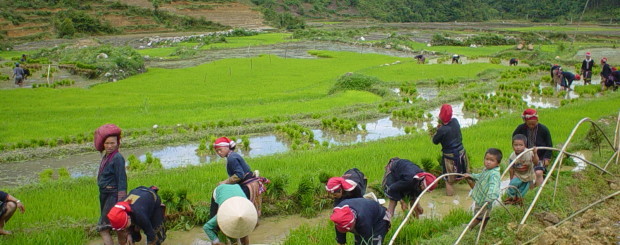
(269, 87)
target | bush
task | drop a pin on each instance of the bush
(354, 81)
(66, 29)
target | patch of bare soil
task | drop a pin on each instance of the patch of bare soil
(596, 226)
(231, 14)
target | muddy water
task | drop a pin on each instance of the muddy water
(271, 230)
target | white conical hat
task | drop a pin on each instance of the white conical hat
(237, 217)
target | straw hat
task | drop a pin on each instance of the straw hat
(237, 217)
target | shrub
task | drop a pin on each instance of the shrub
(354, 81)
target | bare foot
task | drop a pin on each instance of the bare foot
(5, 232)
(449, 190)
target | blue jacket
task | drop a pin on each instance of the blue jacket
(235, 165)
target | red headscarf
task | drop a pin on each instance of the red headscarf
(344, 218)
(428, 179)
(604, 60)
(337, 183)
(445, 114)
(224, 142)
(529, 114)
(119, 216)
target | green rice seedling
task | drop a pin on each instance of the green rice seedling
(496, 61)
(591, 89)
(547, 91)
(168, 199)
(245, 142)
(183, 204)
(427, 164)
(63, 174)
(324, 177)
(46, 175)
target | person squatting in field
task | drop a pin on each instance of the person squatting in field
(141, 210)
(537, 135)
(487, 188)
(454, 156)
(522, 171)
(8, 205)
(351, 185)
(111, 178)
(239, 172)
(365, 218)
(234, 216)
(405, 180)
(586, 69)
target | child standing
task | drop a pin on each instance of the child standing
(487, 185)
(522, 172)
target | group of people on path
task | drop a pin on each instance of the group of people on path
(369, 221)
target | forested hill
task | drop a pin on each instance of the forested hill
(450, 10)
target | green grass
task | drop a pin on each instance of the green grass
(47, 203)
(557, 28)
(222, 90)
(411, 71)
(7, 55)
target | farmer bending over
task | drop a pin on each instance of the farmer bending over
(365, 218)
(351, 185)
(236, 215)
(141, 210)
(403, 179)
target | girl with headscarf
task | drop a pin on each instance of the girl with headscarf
(111, 178)
(239, 172)
(454, 157)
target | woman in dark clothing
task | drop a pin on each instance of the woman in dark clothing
(351, 185)
(141, 210)
(605, 72)
(402, 179)
(111, 178)
(365, 218)
(454, 158)
(537, 135)
(239, 172)
(586, 69)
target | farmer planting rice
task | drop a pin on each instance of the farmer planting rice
(421, 59)
(404, 179)
(239, 172)
(236, 215)
(454, 158)
(18, 75)
(455, 58)
(537, 135)
(567, 79)
(111, 178)
(8, 205)
(141, 210)
(586, 69)
(365, 218)
(351, 185)
(514, 62)
(605, 73)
